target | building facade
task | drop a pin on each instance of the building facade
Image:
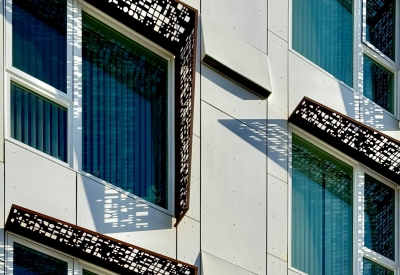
(200, 137)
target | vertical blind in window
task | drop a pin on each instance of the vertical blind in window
(39, 40)
(31, 262)
(321, 211)
(125, 113)
(38, 123)
(322, 32)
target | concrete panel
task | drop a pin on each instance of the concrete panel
(278, 18)
(39, 184)
(233, 169)
(107, 211)
(276, 266)
(231, 98)
(277, 225)
(212, 265)
(233, 57)
(194, 206)
(306, 79)
(2, 221)
(247, 21)
(278, 108)
(189, 241)
(2, 60)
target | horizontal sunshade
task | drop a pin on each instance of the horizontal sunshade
(90, 246)
(366, 145)
(234, 58)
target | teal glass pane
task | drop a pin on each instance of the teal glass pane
(86, 272)
(380, 28)
(125, 113)
(39, 40)
(378, 84)
(379, 217)
(38, 122)
(371, 268)
(325, 40)
(322, 194)
(31, 262)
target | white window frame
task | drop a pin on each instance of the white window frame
(361, 47)
(11, 238)
(359, 251)
(72, 100)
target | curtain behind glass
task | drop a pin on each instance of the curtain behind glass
(39, 40)
(31, 262)
(38, 123)
(322, 31)
(125, 113)
(321, 212)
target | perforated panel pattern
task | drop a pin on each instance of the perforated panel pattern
(91, 246)
(368, 146)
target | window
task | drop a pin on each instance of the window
(92, 94)
(25, 257)
(343, 218)
(323, 31)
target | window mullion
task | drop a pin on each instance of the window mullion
(358, 19)
(358, 219)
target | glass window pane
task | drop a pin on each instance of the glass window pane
(39, 40)
(379, 217)
(325, 40)
(380, 28)
(38, 122)
(125, 113)
(31, 262)
(322, 196)
(371, 268)
(378, 84)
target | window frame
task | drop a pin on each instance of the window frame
(361, 47)
(11, 238)
(359, 251)
(72, 100)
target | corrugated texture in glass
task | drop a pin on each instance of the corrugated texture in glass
(378, 84)
(322, 31)
(322, 193)
(125, 113)
(380, 28)
(38, 123)
(31, 262)
(39, 40)
(379, 217)
(371, 268)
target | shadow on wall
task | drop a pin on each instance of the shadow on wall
(256, 133)
(115, 211)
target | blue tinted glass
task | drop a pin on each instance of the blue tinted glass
(39, 40)
(322, 31)
(38, 123)
(380, 28)
(378, 84)
(125, 113)
(370, 268)
(31, 262)
(379, 217)
(322, 193)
